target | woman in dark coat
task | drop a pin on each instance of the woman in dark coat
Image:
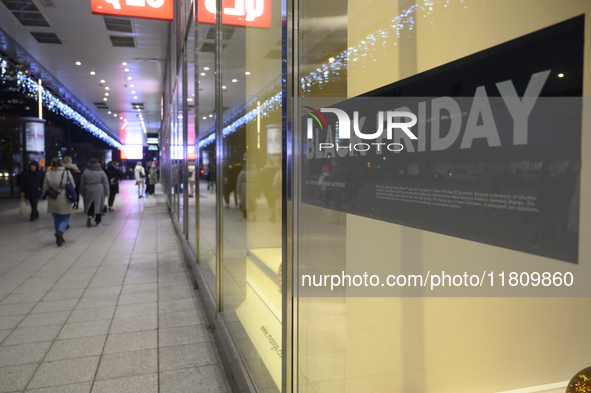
(60, 207)
(94, 188)
(114, 175)
(31, 184)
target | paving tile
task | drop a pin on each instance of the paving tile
(63, 285)
(32, 334)
(147, 383)
(42, 319)
(55, 305)
(177, 319)
(166, 294)
(84, 329)
(133, 341)
(174, 306)
(14, 355)
(16, 298)
(132, 310)
(127, 364)
(75, 388)
(134, 324)
(95, 303)
(91, 314)
(10, 322)
(4, 334)
(102, 292)
(15, 378)
(76, 348)
(186, 356)
(28, 288)
(63, 294)
(64, 372)
(207, 379)
(16, 309)
(137, 298)
(139, 288)
(183, 335)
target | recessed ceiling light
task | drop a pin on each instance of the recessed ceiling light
(204, 118)
(126, 70)
(105, 99)
(210, 115)
(193, 95)
(234, 80)
(203, 74)
(106, 94)
(78, 63)
(331, 60)
(189, 99)
(206, 68)
(121, 118)
(133, 92)
(109, 112)
(124, 63)
(137, 106)
(114, 115)
(561, 75)
(223, 87)
(102, 81)
(247, 73)
(92, 73)
(135, 97)
(129, 78)
(131, 85)
(106, 87)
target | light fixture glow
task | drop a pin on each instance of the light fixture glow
(133, 92)
(124, 63)
(234, 80)
(121, 118)
(109, 112)
(135, 97)
(189, 99)
(129, 78)
(78, 63)
(561, 75)
(206, 68)
(126, 70)
(331, 60)
(131, 86)
(247, 73)
(106, 94)
(92, 73)
(105, 99)
(203, 74)
(204, 118)
(106, 87)
(114, 115)
(102, 81)
(223, 87)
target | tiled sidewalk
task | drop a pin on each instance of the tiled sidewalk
(112, 310)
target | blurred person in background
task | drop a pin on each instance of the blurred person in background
(75, 172)
(140, 177)
(60, 207)
(114, 175)
(31, 184)
(153, 176)
(94, 188)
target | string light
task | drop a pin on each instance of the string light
(28, 85)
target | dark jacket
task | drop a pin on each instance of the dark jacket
(114, 175)
(31, 182)
(94, 185)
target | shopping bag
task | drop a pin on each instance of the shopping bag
(24, 208)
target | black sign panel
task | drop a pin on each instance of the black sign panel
(493, 155)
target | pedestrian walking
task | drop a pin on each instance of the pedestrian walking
(94, 188)
(114, 175)
(140, 178)
(75, 172)
(60, 207)
(31, 184)
(153, 175)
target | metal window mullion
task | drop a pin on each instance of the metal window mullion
(218, 154)
(185, 109)
(196, 123)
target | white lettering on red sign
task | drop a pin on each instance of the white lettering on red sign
(250, 8)
(136, 3)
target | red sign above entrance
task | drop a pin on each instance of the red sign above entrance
(252, 13)
(152, 9)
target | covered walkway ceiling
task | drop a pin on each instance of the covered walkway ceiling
(85, 54)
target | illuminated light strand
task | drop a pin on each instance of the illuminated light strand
(266, 108)
(28, 85)
(326, 71)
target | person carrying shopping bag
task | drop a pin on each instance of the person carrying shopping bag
(54, 187)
